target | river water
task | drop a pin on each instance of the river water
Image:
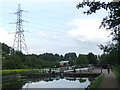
(65, 82)
(51, 82)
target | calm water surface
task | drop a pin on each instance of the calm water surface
(51, 82)
(66, 82)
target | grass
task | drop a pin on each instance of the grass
(13, 71)
(96, 83)
(21, 71)
(116, 71)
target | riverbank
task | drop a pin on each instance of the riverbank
(13, 74)
(105, 80)
(21, 71)
(36, 73)
(96, 82)
(109, 80)
(116, 71)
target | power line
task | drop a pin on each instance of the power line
(36, 16)
(49, 29)
(49, 18)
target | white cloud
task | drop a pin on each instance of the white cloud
(54, 37)
(47, 35)
(37, 51)
(87, 30)
(42, 34)
(5, 37)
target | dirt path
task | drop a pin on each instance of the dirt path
(109, 80)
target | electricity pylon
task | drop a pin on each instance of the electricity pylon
(19, 43)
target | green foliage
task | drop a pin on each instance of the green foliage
(104, 59)
(14, 71)
(111, 58)
(82, 59)
(14, 85)
(43, 61)
(5, 49)
(116, 70)
(96, 83)
(18, 60)
(92, 58)
(113, 17)
(12, 62)
(70, 56)
(21, 71)
(112, 23)
(50, 57)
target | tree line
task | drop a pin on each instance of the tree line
(18, 60)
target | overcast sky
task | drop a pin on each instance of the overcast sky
(54, 26)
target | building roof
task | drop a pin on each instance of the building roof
(63, 61)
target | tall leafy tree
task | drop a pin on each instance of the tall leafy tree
(70, 56)
(92, 58)
(111, 22)
(82, 60)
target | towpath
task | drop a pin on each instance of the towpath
(109, 80)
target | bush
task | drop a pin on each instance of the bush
(96, 83)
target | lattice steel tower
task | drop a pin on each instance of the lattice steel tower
(19, 43)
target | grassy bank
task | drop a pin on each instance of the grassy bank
(96, 83)
(21, 71)
(116, 70)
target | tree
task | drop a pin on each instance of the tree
(104, 59)
(70, 56)
(111, 22)
(5, 48)
(49, 57)
(82, 60)
(12, 62)
(92, 58)
(62, 58)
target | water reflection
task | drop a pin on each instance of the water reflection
(57, 82)
(17, 84)
(51, 82)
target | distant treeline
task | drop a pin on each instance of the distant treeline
(18, 60)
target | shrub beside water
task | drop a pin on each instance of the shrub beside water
(96, 83)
